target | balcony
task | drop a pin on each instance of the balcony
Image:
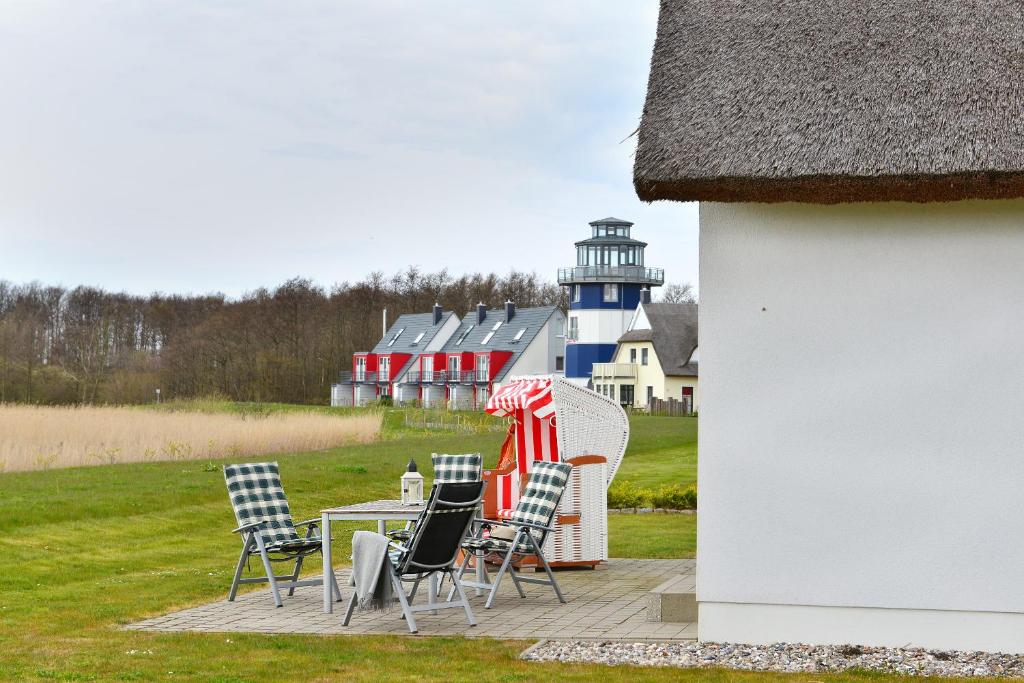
(357, 377)
(461, 376)
(631, 274)
(614, 371)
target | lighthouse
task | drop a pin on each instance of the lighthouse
(605, 287)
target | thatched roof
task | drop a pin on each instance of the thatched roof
(825, 102)
(673, 333)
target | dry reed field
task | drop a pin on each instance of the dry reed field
(42, 437)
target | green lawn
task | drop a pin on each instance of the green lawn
(83, 551)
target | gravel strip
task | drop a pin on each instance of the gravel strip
(783, 657)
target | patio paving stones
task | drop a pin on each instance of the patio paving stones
(608, 603)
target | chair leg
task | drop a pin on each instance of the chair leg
(410, 620)
(351, 608)
(335, 586)
(238, 570)
(551, 574)
(269, 569)
(497, 579)
(457, 579)
(465, 602)
(514, 575)
(295, 575)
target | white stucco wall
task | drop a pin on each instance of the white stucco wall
(862, 435)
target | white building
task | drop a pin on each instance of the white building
(861, 174)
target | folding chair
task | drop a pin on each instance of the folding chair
(532, 521)
(433, 547)
(265, 523)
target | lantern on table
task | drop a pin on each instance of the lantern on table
(412, 486)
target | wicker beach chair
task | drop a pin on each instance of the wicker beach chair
(556, 420)
(265, 523)
(433, 548)
(530, 523)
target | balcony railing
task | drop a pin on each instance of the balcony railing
(461, 376)
(633, 274)
(614, 370)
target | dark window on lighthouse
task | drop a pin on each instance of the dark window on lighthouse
(611, 293)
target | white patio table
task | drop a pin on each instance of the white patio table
(383, 511)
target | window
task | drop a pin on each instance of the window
(519, 336)
(384, 368)
(611, 391)
(626, 395)
(483, 368)
(453, 366)
(611, 293)
(650, 395)
(575, 294)
(465, 333)
(487, 338)
(559, 363)
(418, 339)
(395, 338)
(574, 327)
(632, 355)
(643, 356)
(428, 368)
(360, 368)
(496, 326)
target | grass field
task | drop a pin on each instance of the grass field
(84, 550)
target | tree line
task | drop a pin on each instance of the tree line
(87, 345)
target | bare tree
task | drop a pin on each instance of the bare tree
(678, 293)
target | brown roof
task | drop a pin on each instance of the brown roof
(674, 336)
(826, 102)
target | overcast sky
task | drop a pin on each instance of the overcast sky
(195, 146)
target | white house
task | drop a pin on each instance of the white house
(860, 173)
(656, 358)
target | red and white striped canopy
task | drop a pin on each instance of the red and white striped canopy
(532, 394)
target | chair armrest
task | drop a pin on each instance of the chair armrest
(251, 525)
(308, 522)
(398, 546)
(531, 525)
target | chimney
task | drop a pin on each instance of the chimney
(645, 295)
(385, 323)
(510, 310)
(481, 313)
(437, 313)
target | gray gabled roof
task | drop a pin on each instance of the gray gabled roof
(826, 102)
(610, 221)
(411, 325)
(674, 335)
(532, 319)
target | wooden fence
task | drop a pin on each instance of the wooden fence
(671, 407)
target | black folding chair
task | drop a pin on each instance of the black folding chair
(433, 548)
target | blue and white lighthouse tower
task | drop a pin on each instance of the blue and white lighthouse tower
(605, 288)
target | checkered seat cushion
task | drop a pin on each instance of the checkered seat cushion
(256, 494)
(537, 505)
(457, 469)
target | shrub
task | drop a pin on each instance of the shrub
(675, 497)
(626, 494)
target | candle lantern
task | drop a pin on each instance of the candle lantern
(412, 486)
